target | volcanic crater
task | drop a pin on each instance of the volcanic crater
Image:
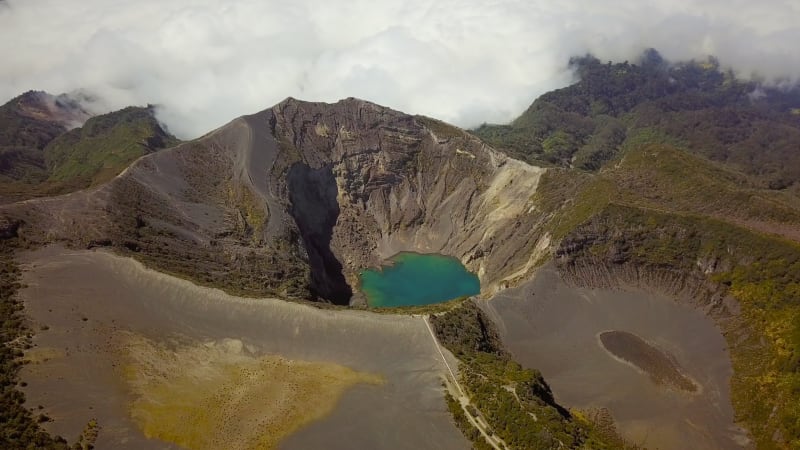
(293, 203)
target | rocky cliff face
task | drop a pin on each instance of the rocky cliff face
(297, 199)
(405, 183)
(746, 281)
(627, 246)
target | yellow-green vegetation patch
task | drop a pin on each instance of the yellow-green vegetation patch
(220, 395)
(662, 177)
(104, 146)
(252, 216)
(571, 198)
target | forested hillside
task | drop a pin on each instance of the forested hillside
(748, 126)
(516, 402)
(680, 177)
(41, 154)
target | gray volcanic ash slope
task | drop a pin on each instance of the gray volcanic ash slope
(296, 199)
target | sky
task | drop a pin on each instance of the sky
(205, 62)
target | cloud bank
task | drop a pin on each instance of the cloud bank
(463, 61)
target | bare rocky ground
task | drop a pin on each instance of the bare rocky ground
(86, 302)
(546, 323)
(292, 202)
(552, 326)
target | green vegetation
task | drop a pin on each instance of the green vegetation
(693, 105)
(689, 175)
(39, 157)
(104, 146)
(441, 129)
(89, 436)
(19, 427)
(516, 402)
(663, 210)
(570, 198)
(660, 176)
(761, 272)
(663, 178)
(463, 424)
(22, 140)
(433, 308)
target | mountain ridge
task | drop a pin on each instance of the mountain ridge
(294, 200)
(324, 148)
(50, 145)
(694, 105)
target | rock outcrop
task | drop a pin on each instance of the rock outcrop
(297, 199)
(613, 249)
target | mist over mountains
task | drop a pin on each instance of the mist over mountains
(595, 186)
(465, 62)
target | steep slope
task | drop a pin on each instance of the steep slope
(297, 199)
(40, 155)
(27, 124)
(748, 282)
(517, 403)
(694, 194)
(747, 126)
(669, 221)
(104, 146)
(666, 220)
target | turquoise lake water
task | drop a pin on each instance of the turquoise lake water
(413, 279)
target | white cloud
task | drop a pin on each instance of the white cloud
(466, 62)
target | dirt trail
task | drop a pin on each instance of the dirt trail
(463, 399)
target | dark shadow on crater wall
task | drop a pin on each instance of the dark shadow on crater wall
(312, 193)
